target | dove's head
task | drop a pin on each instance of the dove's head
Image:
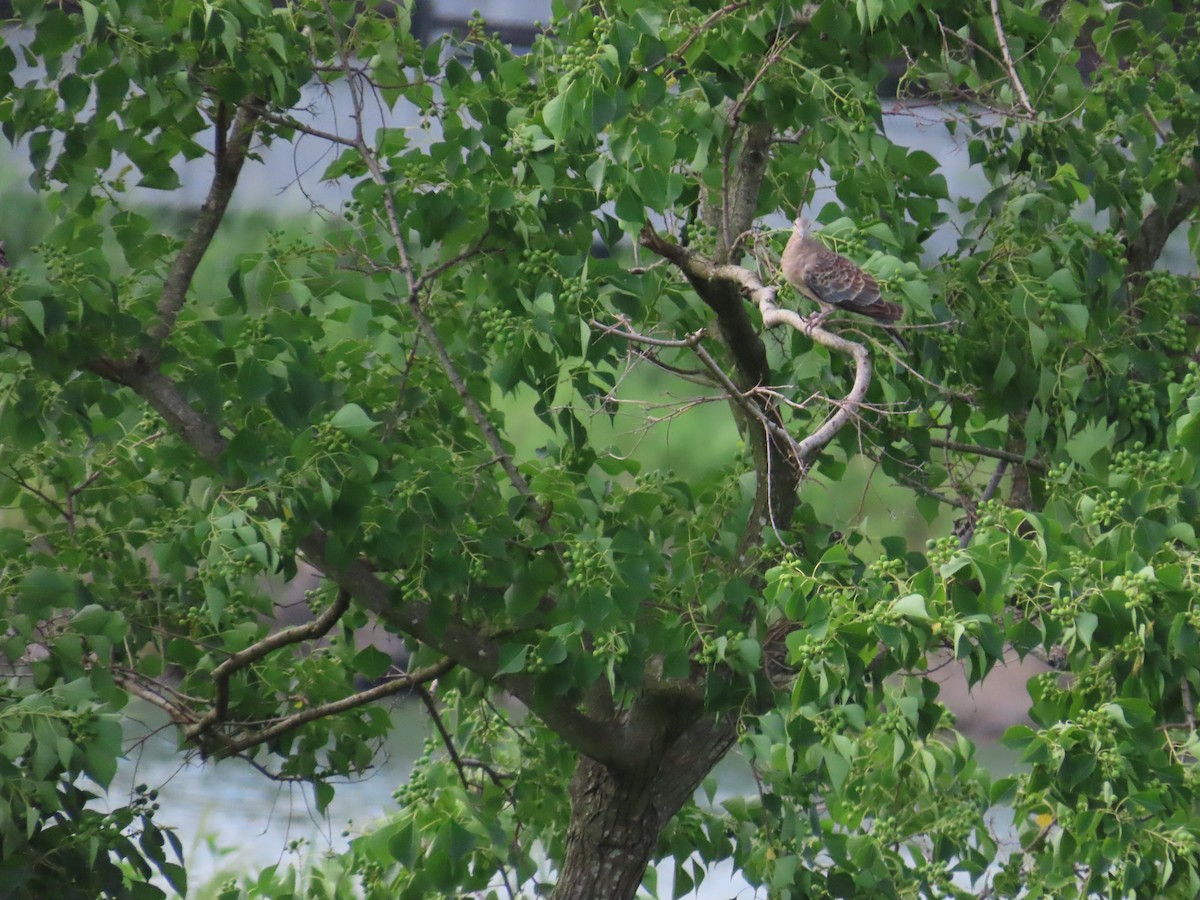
(802, 226)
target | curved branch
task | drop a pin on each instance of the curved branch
(697, 267)
(318, 627)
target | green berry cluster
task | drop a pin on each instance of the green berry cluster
(586, 566)
(611, 645)
(1145, 464)
(990, 514)
(701, 237)
(281, 248)
(1112, 763)
(958, 822)
(884, 614)
(712, 653)
(941, 551)
(502, 330)
(62, 267)
(1110, 247)
(808, 651)
(353, 209)
(1138, 588)
(537, 263)
(853, 245)
(476, 28)
(1190, 383)
(887, 567)
(418, 791)
(945, 338)
(1132, 646)
(1107, 509)
(936, 878)
(535, 663)
(1065, 606)
(1160, 302)
(1173, 335)
(227, 569)
(578, 58)
(887, 831)
(331, 440)
(849, 108)
(841, 598)
(1060, 472)
(573, 297)
(1096, 721)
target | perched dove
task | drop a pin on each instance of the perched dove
(829, 278)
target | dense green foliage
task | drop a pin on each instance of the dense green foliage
(171, 438)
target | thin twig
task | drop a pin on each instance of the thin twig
(705, 25)
(1008, 61)
(413, 286)
(53, 504)
(989, 491)
(1007, 455)
(447, 739)
(293, 124)
(734, 118)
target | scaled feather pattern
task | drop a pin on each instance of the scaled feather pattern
(830, 279)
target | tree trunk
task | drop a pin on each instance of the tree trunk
(616, 817)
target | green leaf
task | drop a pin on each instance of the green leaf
(911, 605)
(36, 313)
(1063, 283)
(555, 115)
(512, 658)
(353, 420)
(44, 590)
(372, 663)
(323, 791)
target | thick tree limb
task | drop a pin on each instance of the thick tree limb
(183, 268)
(468, 646)
(1159, 224)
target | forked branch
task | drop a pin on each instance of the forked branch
(318, 627)
(698, 268)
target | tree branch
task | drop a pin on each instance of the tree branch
(407, 681)
(698, 268)
(1007, 455)
(1009, 66)
(318, 627)
(470, 648)
(183, 268)
(413, 285)
(1159, 224)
